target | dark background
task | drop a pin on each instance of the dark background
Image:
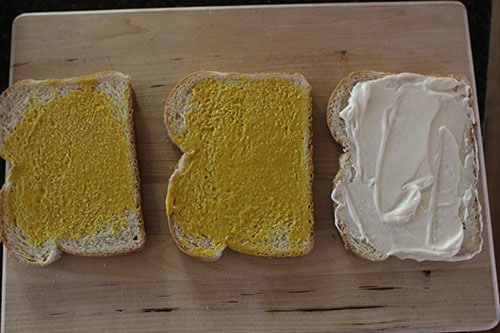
(479, 15)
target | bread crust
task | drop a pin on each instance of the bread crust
(337, 102)
(174, 108)
(100, 244)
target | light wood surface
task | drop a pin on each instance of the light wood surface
(161, 289)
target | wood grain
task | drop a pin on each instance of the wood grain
(162, 289)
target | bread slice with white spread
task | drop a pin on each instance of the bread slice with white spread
(244, 180)
(73, 181)
(407, 184)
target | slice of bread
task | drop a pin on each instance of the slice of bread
(244, 180)
(73, 181)
(364, 229)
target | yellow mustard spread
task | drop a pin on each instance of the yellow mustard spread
(70, 166)
(247, 175)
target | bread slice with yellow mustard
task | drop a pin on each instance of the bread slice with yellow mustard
(73, 181)
(244, 180)
(407, 184)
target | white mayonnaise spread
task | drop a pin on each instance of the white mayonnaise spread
(412, 170)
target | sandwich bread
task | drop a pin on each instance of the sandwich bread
(73, 182)
(407, 184)
(244, 180)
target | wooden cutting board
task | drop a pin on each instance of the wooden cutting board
(161, 289)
